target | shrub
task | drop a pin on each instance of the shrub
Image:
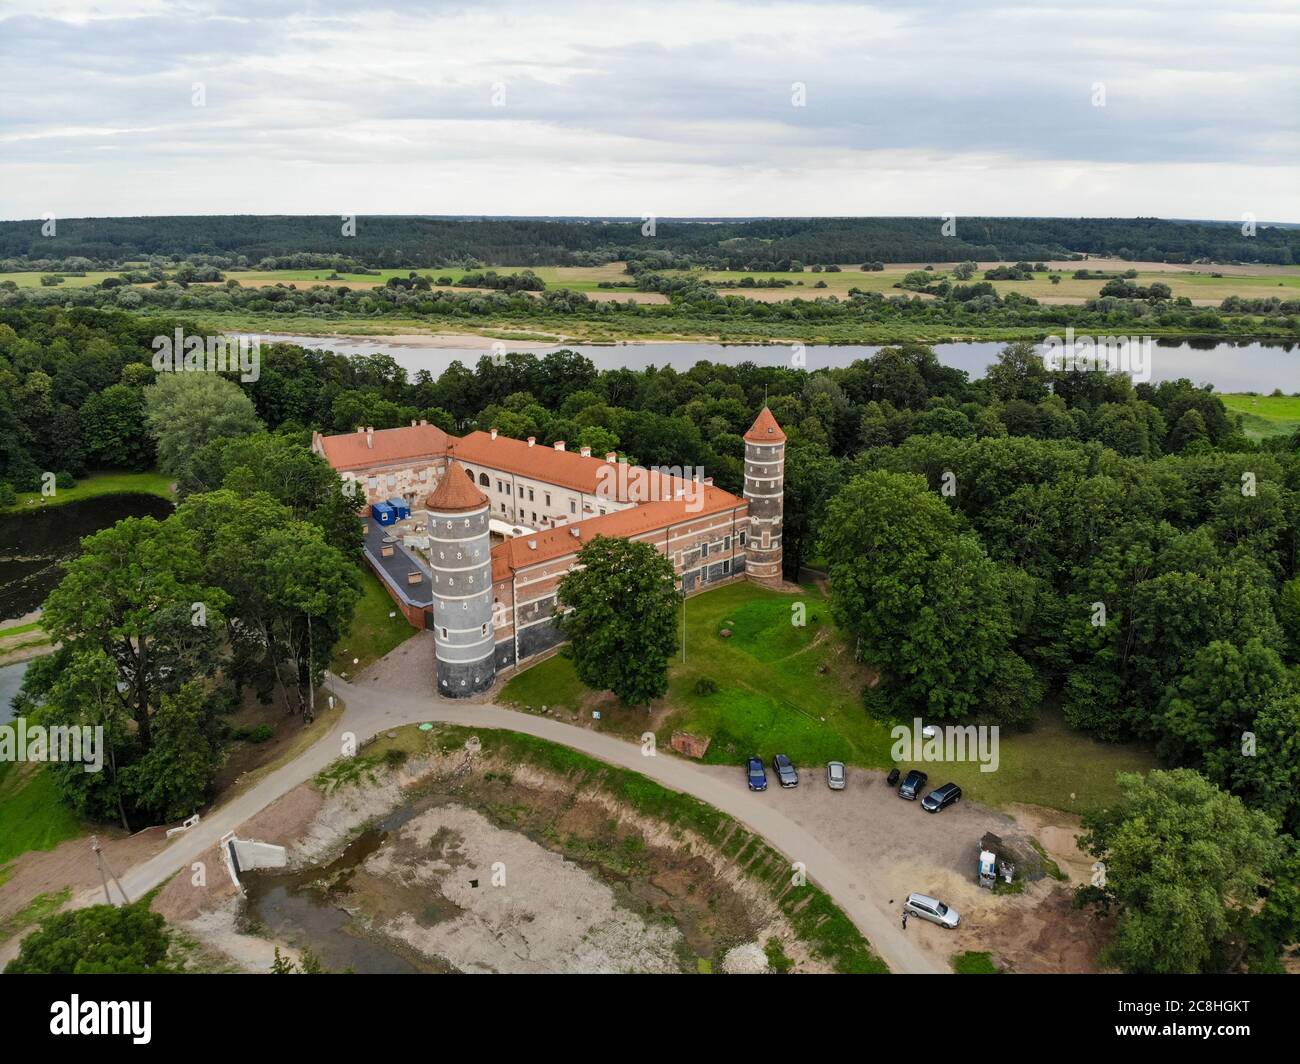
(705, 686)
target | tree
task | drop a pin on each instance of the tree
(171, 781)
(924, 602)
(186, 410)
(98, 940)
(1184, 861)
(811, 477)
(964, 271)
(621, 621)
(113, 429)
(135, 592)
(1019, 373)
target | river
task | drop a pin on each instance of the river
(1248, 366)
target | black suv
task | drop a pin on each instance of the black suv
(911, 786)
(941, 798)
(786, 775)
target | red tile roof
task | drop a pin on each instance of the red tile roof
(351, 451)
(648, 517)
(765, 429)
(455, 493)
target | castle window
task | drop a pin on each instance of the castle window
(470, 473)
(444, 632)
(573, 506)
(726, 543)
(548, 498)
(742, 539)
(726, 566)
(483, 630)
(484, 481)
(704, 550)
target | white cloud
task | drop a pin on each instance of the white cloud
(981, 108)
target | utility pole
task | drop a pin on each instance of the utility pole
(103, 866)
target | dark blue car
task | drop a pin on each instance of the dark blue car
(757, 774)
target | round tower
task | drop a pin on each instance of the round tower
(460, 556)
(764, 491)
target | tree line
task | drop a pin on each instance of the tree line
(420, 241)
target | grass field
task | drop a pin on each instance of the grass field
(1265, 415)
(32, 815)
(101, 484)
(796, 691)
(372, 633)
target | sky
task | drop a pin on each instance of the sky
(1176, 109)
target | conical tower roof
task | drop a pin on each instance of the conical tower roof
(765, 429)
(455, 493)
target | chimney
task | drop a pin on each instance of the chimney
(494, 434)
(370, 436)
(611, 457)
(576, 532)
(586, 452)
(412, 422)
(559, 445)
(361, 428)
(532, 441)
(424, 421)
(708, 482)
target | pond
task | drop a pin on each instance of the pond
(1231, 367)
(35, 542)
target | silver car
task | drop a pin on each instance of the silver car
(928, 908)
(835, 777)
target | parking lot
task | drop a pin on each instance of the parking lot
(897, 847)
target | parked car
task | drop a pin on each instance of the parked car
(911, 786)
(932, 909)
(941, 798)
(835, 778)
(786, 776)
(757, 774)
(892, 778)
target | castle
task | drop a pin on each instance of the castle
(471, 535)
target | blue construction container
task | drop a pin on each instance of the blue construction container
(383, 513)
(401, 508)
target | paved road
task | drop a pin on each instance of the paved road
(370, 711)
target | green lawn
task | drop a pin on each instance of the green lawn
(373, 633)
(795, 690)
(971, 963)
(1265, 415)
(31, 812)
(93, 484)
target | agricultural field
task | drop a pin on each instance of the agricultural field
(1203, 285)
(797, 691)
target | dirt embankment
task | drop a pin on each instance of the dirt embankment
(487, 866)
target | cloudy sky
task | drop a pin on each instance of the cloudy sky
(677, 107)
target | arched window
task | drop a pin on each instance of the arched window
(470, 473)
(483, 480)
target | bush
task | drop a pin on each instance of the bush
(705, 686)
(63, 479)
(8, 497)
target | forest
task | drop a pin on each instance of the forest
(993, 546)
(769, 243)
